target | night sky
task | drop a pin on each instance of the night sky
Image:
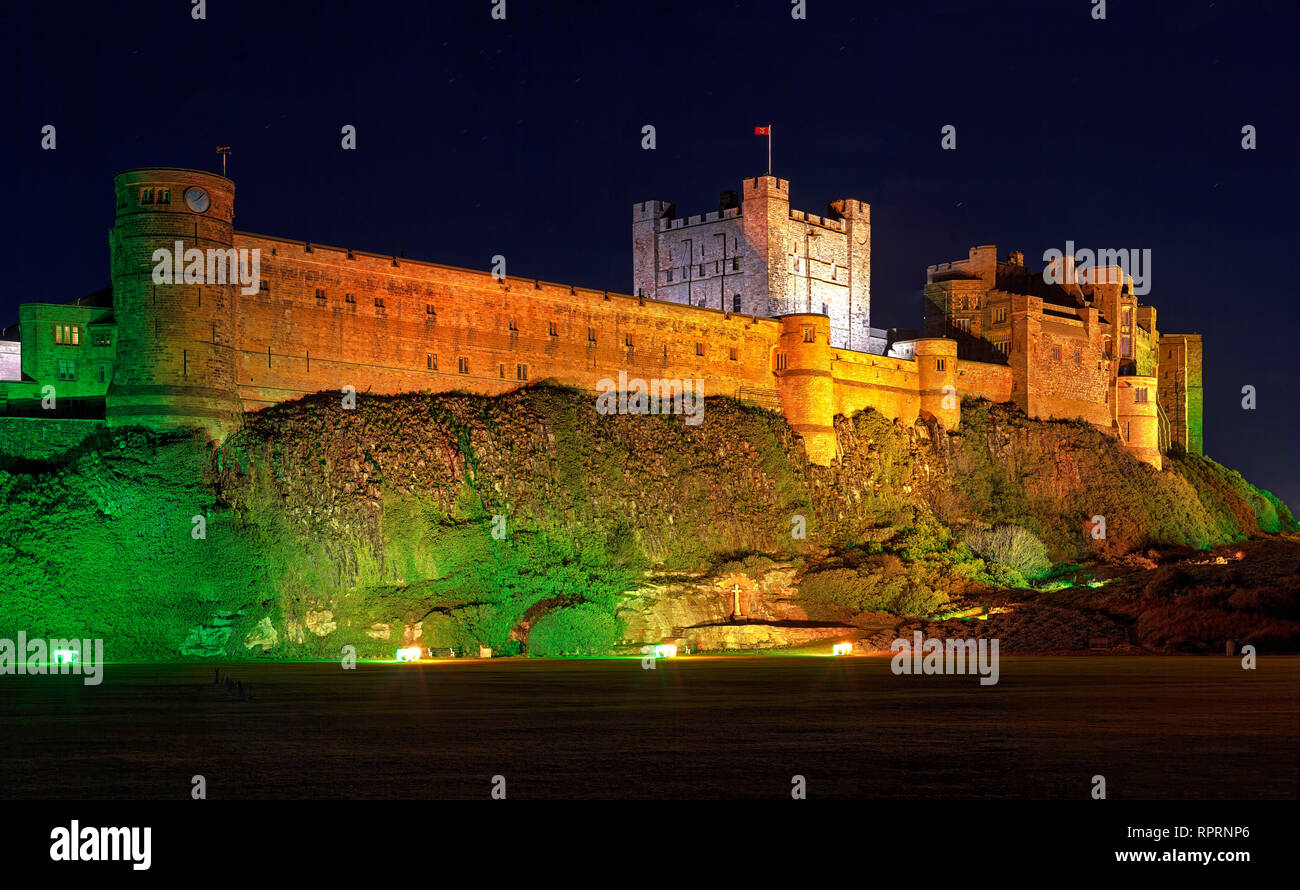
(478, 137)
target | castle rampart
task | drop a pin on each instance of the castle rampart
(326, 319)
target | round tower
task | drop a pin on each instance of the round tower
(176, 279)
(804, 382)
(1139, 424)
(936, 368)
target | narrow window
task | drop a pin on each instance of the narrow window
(554, 330)
(670, 276)
(699, 349)
(428, 310)
(320, 294)
(735, 264)
(379, 302)
(514, 325)
(734, 354)
(591, 335)
(809, 334)
(735, 303)
(463, 364)
(627, 340)
(501, 370)
(780, 361)
(521, 372)
(940, 364)
(349, 298)
(428, 360)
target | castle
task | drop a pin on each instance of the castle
(764, 303)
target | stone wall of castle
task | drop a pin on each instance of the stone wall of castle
(328, 319)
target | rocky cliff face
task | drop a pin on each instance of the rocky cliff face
(530, 523)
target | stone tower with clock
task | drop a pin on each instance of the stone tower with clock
(175, 345)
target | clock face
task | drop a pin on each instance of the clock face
(197, 199)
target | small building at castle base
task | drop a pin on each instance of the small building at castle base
(203, 323)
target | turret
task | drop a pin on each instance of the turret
(936, 368)
(804, 383)
(646, 217)
(1135, 402)
(765, 216)
(856, 324)
(175, 314)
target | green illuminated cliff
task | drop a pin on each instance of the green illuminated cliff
(528, 523)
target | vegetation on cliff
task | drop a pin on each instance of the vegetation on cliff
(521, 522)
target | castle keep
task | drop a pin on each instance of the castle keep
(763, 303)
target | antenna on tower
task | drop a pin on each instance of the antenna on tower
(224, 151)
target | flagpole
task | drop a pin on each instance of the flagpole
(769, 149)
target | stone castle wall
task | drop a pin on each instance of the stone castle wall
(328, 318)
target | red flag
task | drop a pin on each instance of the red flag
(763, 131)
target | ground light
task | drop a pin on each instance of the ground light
(665, 650)
(841, 648)
(411, 653)
(65, 656)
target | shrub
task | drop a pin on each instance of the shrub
(575, 630)
(1011, 546)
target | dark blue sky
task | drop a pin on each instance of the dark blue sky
(478, 137)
